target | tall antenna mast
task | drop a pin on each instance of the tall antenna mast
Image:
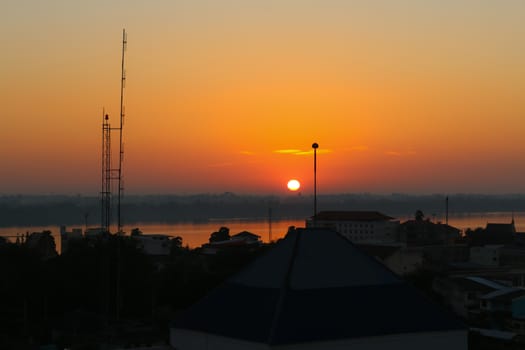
(110, 174)
(121, 149)
(105, 191)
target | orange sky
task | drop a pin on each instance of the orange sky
(402, 96)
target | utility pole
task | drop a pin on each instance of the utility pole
(446, 217)
(315, 146)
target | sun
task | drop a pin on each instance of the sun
(293, 185)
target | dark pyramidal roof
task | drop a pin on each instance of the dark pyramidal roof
(314, 285)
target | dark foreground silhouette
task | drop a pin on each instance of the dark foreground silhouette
(103, 290)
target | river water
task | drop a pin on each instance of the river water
(195, 234)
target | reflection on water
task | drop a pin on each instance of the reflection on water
(195, 234)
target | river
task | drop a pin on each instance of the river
(195, 234)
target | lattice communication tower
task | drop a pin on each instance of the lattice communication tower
(109, 174)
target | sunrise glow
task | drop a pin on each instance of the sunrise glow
(417, 97)
(293, 185)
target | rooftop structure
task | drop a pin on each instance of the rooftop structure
(316, 290)
(425, 232)
(499, 228)
(494, 233)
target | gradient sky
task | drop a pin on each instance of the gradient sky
(402, 96)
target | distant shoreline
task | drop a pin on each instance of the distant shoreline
(56, 210)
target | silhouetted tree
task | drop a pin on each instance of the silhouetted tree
(419, 216)
(136, 232)
(176, 246)
(42, 244)
(222, 235)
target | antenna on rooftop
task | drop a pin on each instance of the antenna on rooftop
(121, 148)
(110, 174)
(315, 146)
(105, 191)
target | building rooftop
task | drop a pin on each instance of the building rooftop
(314, 285)
(246, 234)
(475, 283)
(508, 293)
(498, 228)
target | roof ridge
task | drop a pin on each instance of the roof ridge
(369, 257)
(284, 287)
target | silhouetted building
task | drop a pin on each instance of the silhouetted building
(358, 226)
(242, 240)
(94, 232)
(488, 255)
(425, 232)
(68, 237)
(500, 229)
(492, 234)
(439, 257)
(401, 260)
(316, 290)
(246, 237)
(154, 244)
(463, 293)
(504, 309)
(42, 243)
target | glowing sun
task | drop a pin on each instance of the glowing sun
(293, 185)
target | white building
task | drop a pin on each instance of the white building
(154, 244)
(488, 255)
(358, 226)
(315, 290)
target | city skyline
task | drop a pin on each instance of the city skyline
(228, 96)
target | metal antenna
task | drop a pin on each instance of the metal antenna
(105, 191)
(121, 149)
(315, 146)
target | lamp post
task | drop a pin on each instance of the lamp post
(315, 146)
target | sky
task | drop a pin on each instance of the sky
(402, 96)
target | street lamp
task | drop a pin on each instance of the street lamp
(315, 146)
